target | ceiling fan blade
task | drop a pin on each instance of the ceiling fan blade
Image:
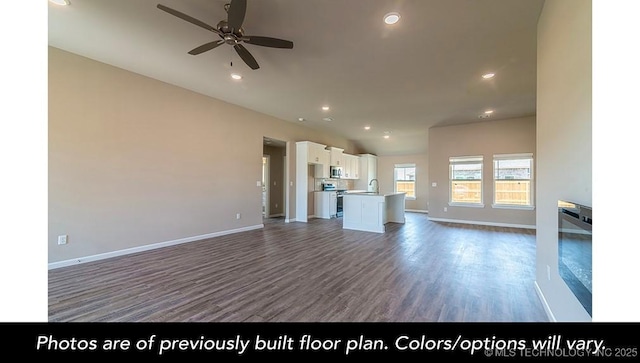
(235, 14)
(246, 56)
(188, 18)
(268, 42)
(205, 47)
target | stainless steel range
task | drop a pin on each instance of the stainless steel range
(331, 186)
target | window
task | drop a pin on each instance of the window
(465, 176)
(513, 181)
(404, 179)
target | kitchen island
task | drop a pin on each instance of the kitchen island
(371, 211)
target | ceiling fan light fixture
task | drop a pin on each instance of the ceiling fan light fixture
(327, 119)
(391, 18)
(60, 2)
(325, 108)
(488, 112)
(300, 119)
(488, 75)
(367, 128)
(236, 76)
(386, 136)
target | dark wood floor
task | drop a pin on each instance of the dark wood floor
(316, 271)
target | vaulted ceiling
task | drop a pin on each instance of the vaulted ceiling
(424, 71)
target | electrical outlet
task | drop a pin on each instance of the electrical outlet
(237, 215)
(434, 184)
(445, 209)
(258, 183)
(276, 205)
(548, 272)
(62, 240)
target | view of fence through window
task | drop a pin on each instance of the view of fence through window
(466, 180)
(405, 180)
(512, 181)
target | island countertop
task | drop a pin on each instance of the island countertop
(372, 194)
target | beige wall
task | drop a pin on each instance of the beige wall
(386, 164)
(276, 179)
(486, 139)
(564, 137)
(134, 161)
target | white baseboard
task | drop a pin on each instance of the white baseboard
(289, 220)
(482, 223)
(153, 246)
(547, 309)
(417, 211)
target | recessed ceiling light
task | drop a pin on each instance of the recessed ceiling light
(325, 108)
(236, 76)
(391, 18)
(327, 119)
(300, 119)
(386, 136)
(60, 2)
(488, 112)
(488, 75)
(367, 127)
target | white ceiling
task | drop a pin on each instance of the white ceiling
(421, 72)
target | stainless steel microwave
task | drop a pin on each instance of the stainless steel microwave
(335, 172)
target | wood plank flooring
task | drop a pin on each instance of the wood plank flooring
(313, 272)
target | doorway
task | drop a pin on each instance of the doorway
(274, 171)
(265, 185)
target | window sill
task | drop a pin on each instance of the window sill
(410, 198)
(471, 205)
(507, 206)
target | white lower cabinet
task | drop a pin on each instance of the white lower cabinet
(325, 204)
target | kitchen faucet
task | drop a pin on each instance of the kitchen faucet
(377, 185)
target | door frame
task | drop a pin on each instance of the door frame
(266, 176)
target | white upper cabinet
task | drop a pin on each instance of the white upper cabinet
(316, 153)
(336, 156)
(351, 165)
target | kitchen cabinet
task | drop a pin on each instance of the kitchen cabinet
(355, 165)
(322, 169)
(325, 204)
(316, 153)
(368, 170)
(351, 164)
(371, 212)
(335, 156)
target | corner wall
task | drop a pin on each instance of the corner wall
(482, 138)
(563, 138)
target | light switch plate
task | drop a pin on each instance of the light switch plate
(258, 183)
(434, 184)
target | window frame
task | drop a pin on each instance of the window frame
(459, 160)
(519, 156)
(415, 181)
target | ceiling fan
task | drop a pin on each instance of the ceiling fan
(231, 32)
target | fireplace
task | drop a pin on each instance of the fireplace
(574, 250)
